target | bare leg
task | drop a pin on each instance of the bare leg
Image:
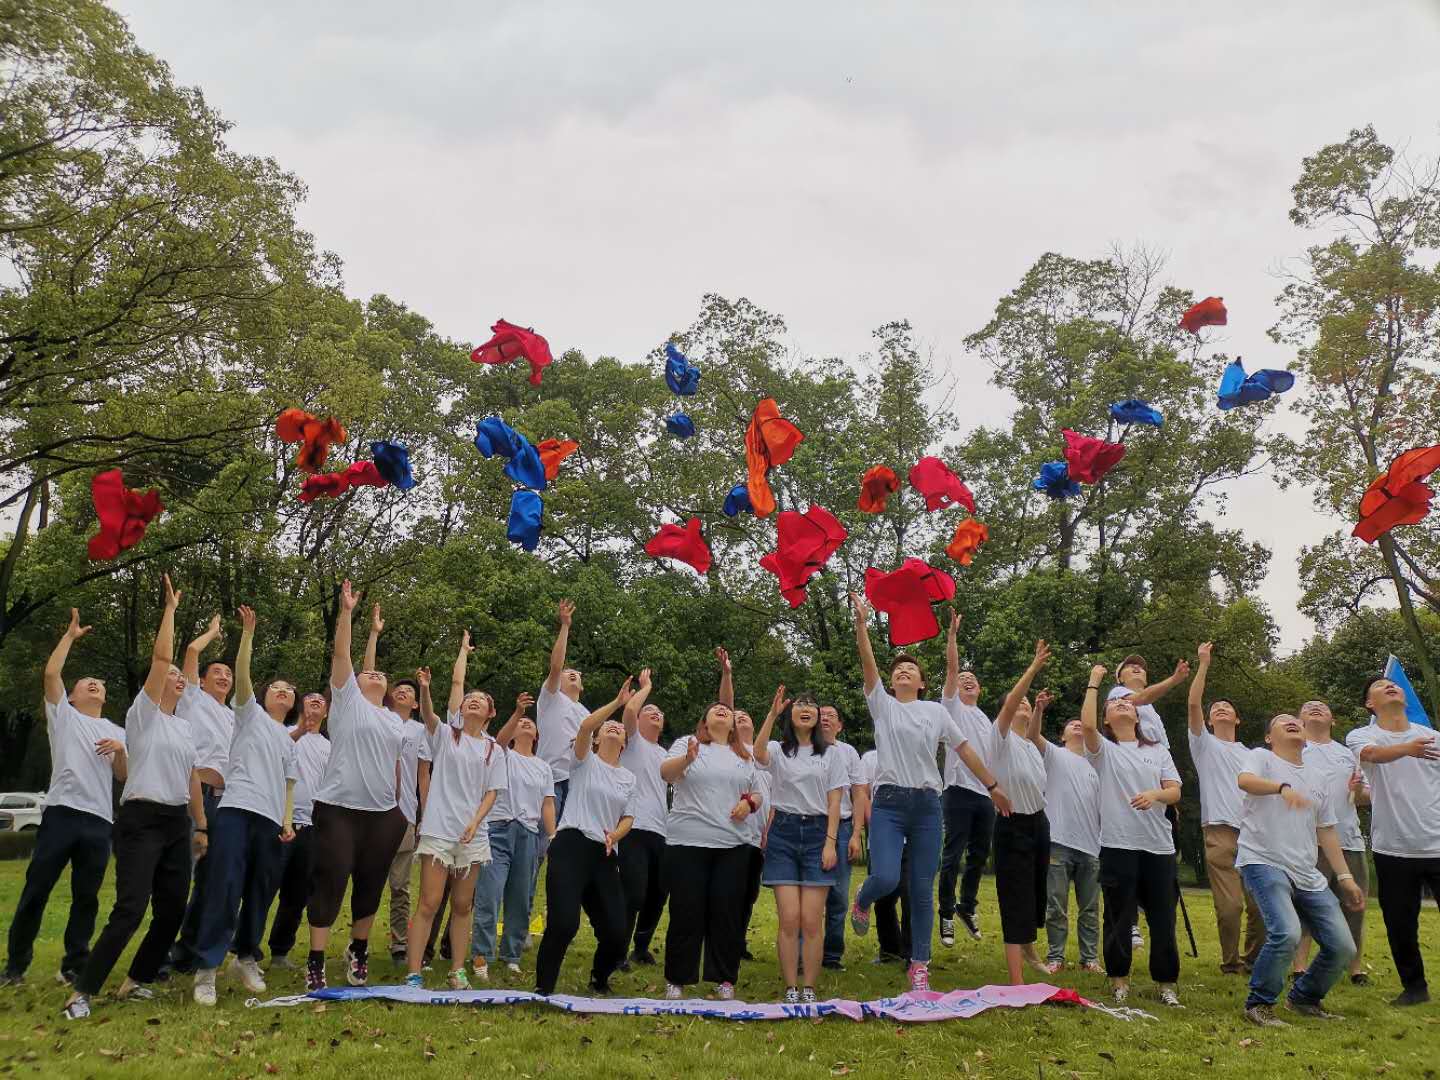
(1015, 963)
(432, 887)
(787, 941)
(462, 908)
(812, 923)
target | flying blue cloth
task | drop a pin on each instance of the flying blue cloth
(738, 501)
(392, 461)
(681, 376)
(523, 465)
(1135, 411)
(680, 425)
(1054, 480)
(1236, 388)
(1414, 711)
(523, 528)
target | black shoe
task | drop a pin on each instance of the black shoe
(599, 989)
(970, 924)
(625, 965)
(11, 978)
(1360, 979)
(1418, 996)
(645, 956)
(832, 965)
(746, 954)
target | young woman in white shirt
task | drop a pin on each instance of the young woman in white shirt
(467, 772)
(754, 829)
(154, 844)
(247, 830)
(642, 858)
(312, 754)
(1138, 780)
(583, 867)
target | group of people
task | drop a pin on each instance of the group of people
(268, 794)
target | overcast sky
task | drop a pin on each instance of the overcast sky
(593, 169)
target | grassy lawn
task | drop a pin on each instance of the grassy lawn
(173, 1037)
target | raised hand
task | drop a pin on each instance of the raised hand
(213, 630)
(1182, 669)
(724, 658)
(780, 702)
(247, 618)
(422, 677)
(1097, 673)
(1042, 654)
(172, 598)
(1043, 700)
(348, 599)
(75, 631)
(1204, 652)
(645, 678)
(860, 607)
(522, 706)
(692, 751)
(566, 611)
(625, 692)
(465, 645)
(954, 624)
(377, 624)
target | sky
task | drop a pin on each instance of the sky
(594, 169)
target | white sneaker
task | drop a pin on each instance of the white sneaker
(204, 992)
(482, 970)
(1169, 997)
(1137, 939)
(725, 991)
(673, 992)
(250, 976)
(513, 969)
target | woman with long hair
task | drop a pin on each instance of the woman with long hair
(642, 858)
(753, 829)
(312, 754)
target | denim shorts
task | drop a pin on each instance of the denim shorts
(792, 851)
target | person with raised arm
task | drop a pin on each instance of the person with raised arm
(87, 754)
(558, 710)
(584, 869)
(642, 858)
(905, 813)
(155, 842)
(1219, 757)
(254, 819)
(312, 754)
(467, 774)
(1347, 790)
(1402, 762)
(851, 837)
(1022, 837)
(969, 813)
(1072, 806)
(754, 828)
(358, 823)
(1286, 812)
(1138, 780)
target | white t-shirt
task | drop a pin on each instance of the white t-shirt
(869, 765)
(975, 726)
(802, 784)
(753, 827)
(414, 748)
(461, 772)
(262, 759)
(212, 726)
(528, 783)
(853, 775)
(558, 719)
(600, 795)
(705, 795)
(1126, 769)
(1272, 834)
(80, 778)
(1336, 764)
(364, 745)
(1151, 726)
(161, 753)
(1217, 765)
(1019, 768)
(1072, 800)
(643, 757)
(906, 735)
(312, 753)
(1404, 796)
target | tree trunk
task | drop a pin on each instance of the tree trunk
(1412, 625)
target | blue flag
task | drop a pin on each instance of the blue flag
(1414, 711)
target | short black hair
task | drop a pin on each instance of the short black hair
(205, 667)
(414, 686)
(1365, 694)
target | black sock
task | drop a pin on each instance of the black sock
(317, 958)
(359, 949)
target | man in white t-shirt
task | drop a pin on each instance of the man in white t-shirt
(643, 853)
(847, 844)
(1218, 758)
(965, 805)
(87, 754)
(1285, 813)
(1402, 762)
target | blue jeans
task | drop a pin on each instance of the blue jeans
(1284, 908)
(514, 854)
(837, 904)
(183, 954)
(906, 818)
(244, 860)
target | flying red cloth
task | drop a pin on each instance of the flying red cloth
(552, 452)
(876, 487)
(906, 595)
(1208, 312)
(329, 485)
(1090, 459)
(123, 514)
(940, 486)
(804, 544)
(969, 535)
(511, 341)
(314, 435)
(770, 440)
(686, 545)
(1396, 496)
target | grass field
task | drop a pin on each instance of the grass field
(173, 1037)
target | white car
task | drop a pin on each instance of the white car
(20, 810)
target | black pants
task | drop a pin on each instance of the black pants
(358, 844)
(754, 871)
(82, 841)
(183, 954)
(1134, 881)
(707, 904)
(641, 869)
(294, 888)
(152, 867)
(892, 932)
(1022, 868)
(1402, 890)
(580, 876)
(969, 820)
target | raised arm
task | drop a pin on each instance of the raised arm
(673, 768)
(457, 673)
(55, 666)
(1155, 691)
(1196, 710)
(162, 657)
(1424, 747)
(1090, 710)
(636, 703)
(1021, 688)
(244, 685)
(342, 667)
(762, 737)
(952, 657)
(212, 633)
(562, 644)
(427, 703)
(1037, 725)
(592, 722)
(506, 733)
(726, 694)
(862, 641)
(372, 643)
